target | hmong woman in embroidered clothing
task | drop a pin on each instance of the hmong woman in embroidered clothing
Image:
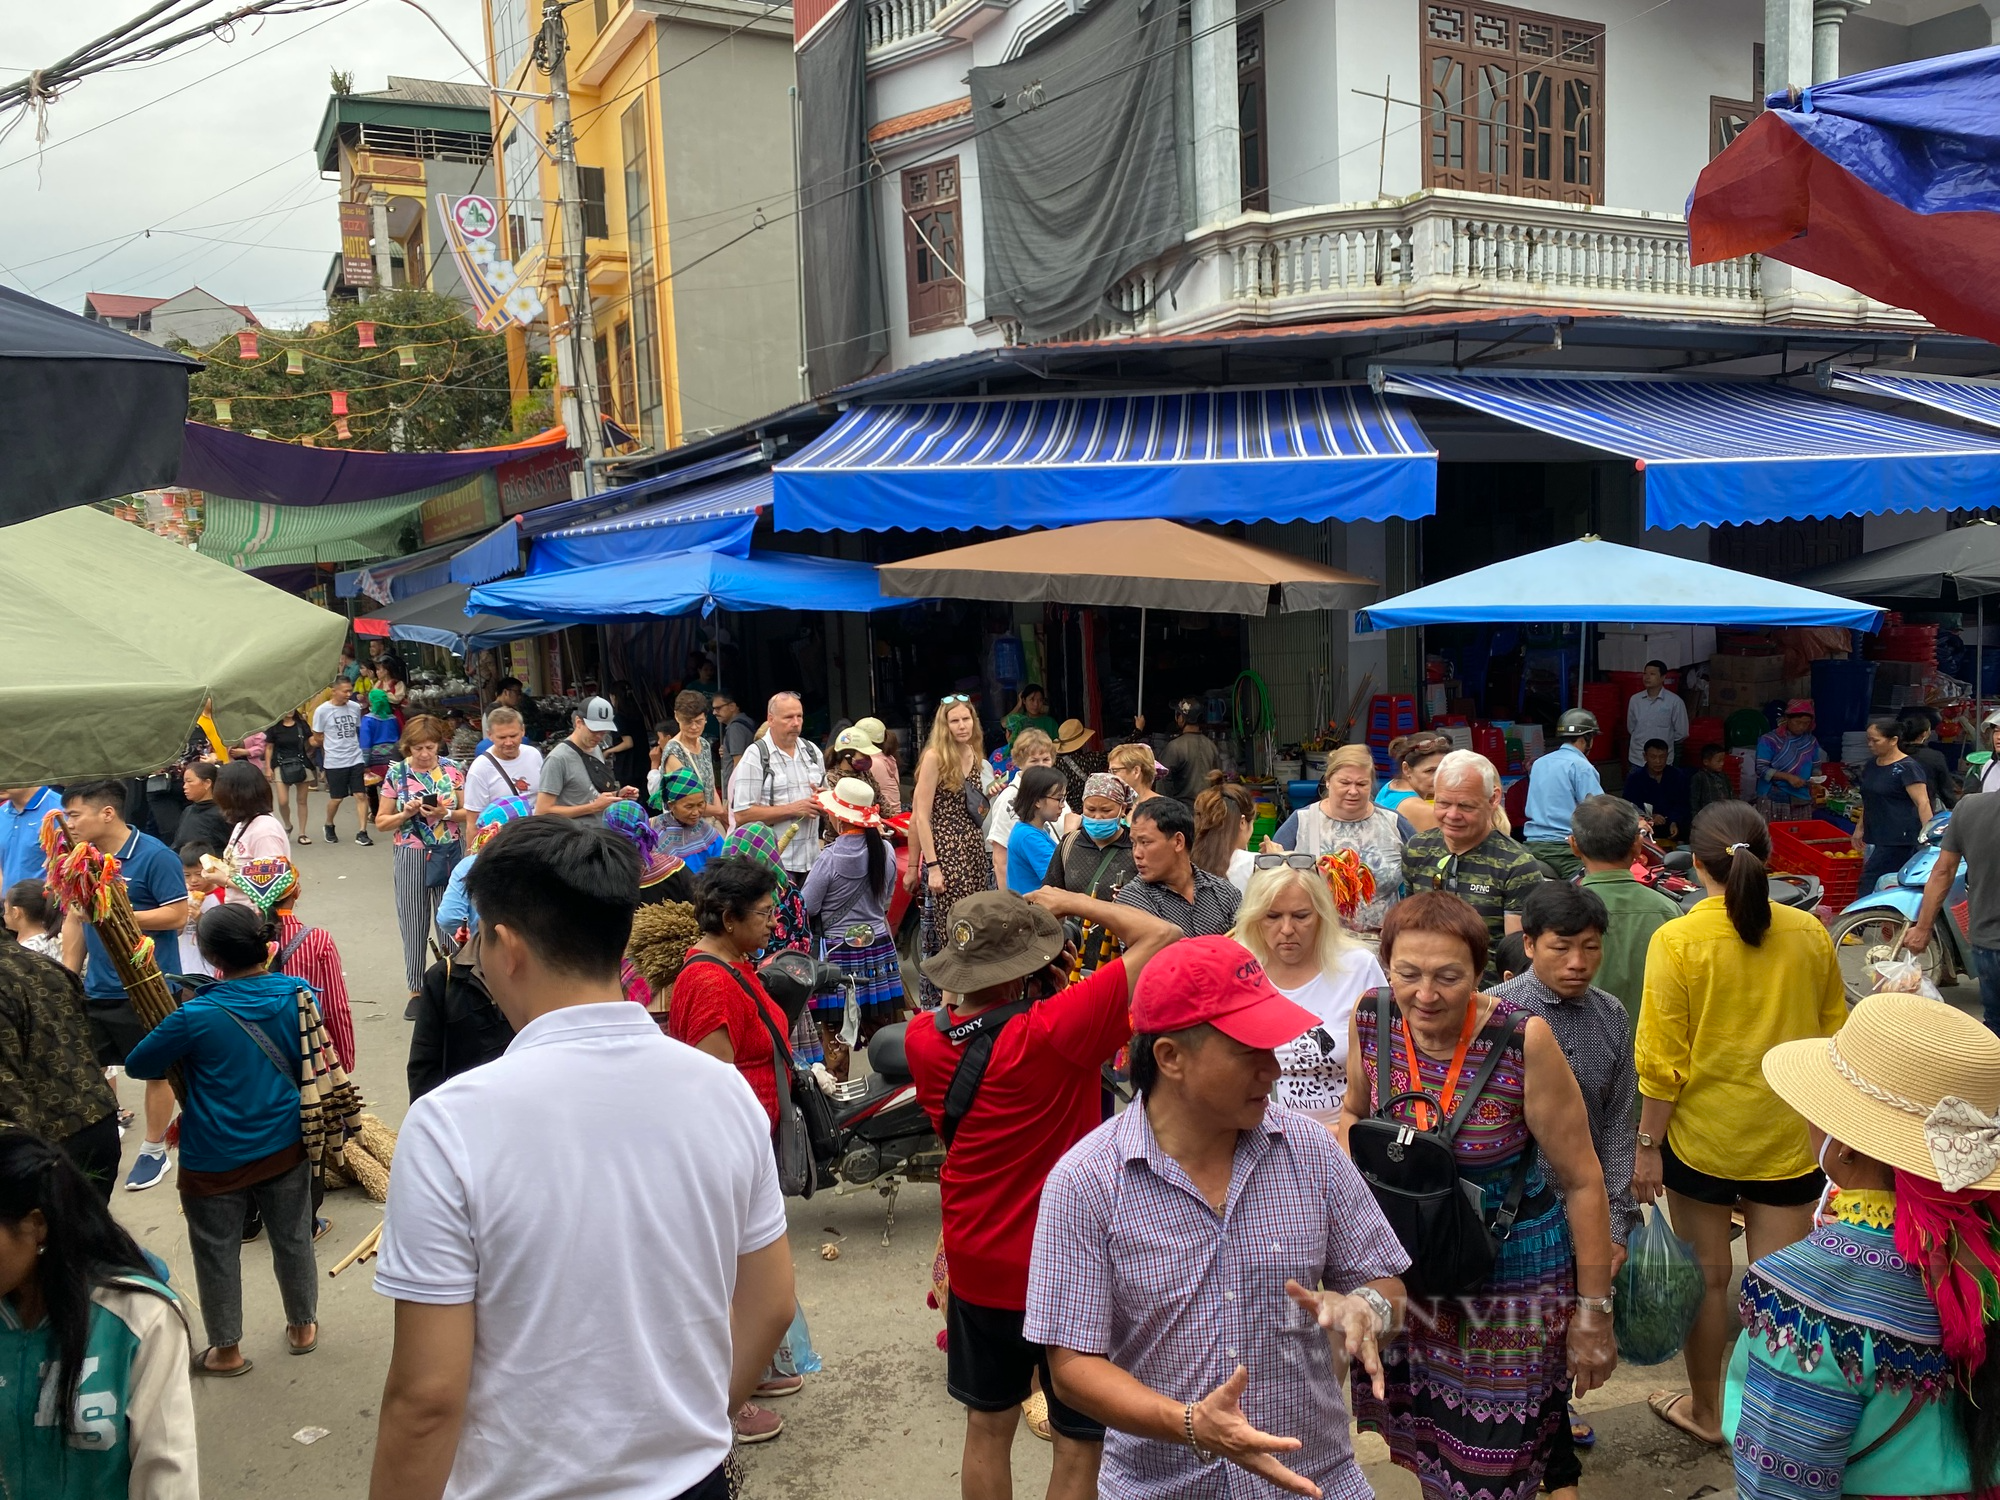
(682, 830)
(1864, 1369)
(847, 894)
(1477, 1384)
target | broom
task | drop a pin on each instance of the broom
(83, 877)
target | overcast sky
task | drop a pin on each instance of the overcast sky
(217, 164)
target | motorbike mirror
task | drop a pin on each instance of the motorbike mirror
(1679, 859)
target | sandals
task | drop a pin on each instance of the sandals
(1663, 1404)
(1581, 1433)
(201, 1366)
(302, 838)
(305, 1348)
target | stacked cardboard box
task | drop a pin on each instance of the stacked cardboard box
(1740, 682)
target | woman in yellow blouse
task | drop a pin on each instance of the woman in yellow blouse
(1732, 979)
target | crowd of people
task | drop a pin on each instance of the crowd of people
(1194, 1090)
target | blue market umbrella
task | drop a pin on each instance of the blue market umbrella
(1597, 582)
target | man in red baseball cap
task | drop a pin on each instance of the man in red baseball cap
(1010, 1082)
(1178, 1246)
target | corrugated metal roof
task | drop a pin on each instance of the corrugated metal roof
(431, 91)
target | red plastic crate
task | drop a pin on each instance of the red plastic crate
(1811, 847)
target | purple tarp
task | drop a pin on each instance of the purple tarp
(220, 462)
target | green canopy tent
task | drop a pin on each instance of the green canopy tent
(116, 637)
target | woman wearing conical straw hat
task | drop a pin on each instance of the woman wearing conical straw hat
(1864, 1367)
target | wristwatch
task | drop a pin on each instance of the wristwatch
(1385, 1315)
(1594, 1304)
(1647, 1143)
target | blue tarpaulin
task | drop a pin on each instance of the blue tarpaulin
(1886, 181)
(716, 517)
(674, 583)
(1602, 583)
(1719, 452)
(1320, 453)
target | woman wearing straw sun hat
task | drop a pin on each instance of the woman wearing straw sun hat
(847, 897)
(1897, 1284)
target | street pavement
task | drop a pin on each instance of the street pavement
(876, 1422)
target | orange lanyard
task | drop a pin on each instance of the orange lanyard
(1465, 1033)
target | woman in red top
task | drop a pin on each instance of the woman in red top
(719, 1006)
(717, 997)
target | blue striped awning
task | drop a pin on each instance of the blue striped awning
(1974, 400)
(1720, 452)
(714, 518)
(1296, 454)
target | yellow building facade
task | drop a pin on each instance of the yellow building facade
(682, 116)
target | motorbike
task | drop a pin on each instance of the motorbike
(881, 1136)
(1869, 930)
(1672, 875)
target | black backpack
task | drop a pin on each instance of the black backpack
(1436, 1214)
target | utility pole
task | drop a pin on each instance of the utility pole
(586, 400)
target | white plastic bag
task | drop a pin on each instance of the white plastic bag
(1902, 975)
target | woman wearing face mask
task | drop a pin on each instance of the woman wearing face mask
(1096, 860)
(1898, 1283)
(1287, 920)
(1346, 817)
(954, 792)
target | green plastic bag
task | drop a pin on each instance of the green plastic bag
(1659, 1292)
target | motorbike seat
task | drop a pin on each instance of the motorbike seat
(886, 1054)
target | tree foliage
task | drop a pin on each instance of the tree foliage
(455, 396)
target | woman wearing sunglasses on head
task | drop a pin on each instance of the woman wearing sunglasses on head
(1288, 921)
(954, 792)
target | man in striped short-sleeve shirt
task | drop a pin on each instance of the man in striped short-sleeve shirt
(1196, 1256)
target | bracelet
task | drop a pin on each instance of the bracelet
(1187, 1426)
(1594, 1304)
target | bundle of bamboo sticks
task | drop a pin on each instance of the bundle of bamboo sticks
(81, 876)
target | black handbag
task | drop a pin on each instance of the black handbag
(1437, 1215)
(799, 1103)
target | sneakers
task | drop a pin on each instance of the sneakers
(253, 1224)
(779, 1386)
(150, 1170)
(363, 839)
(756, 1425)
(329, 834)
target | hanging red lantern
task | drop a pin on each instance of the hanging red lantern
(340, 403)
(246, 343)
(364, 335)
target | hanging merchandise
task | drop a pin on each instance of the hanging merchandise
(222, 410)
(295, 362)
(406, 357)
(364, 335)
(246, 343)
(340, 430)
(340, 403)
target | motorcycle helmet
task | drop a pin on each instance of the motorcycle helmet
(1576, 723)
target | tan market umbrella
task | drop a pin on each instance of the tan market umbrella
(1138, 565)
(1132, 564)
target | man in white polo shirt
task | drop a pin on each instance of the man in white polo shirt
(600, 1205)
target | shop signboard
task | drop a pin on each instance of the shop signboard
(473, 506)
(357, 265)
(530, 483)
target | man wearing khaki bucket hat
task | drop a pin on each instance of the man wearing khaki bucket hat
(1864, 1370)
